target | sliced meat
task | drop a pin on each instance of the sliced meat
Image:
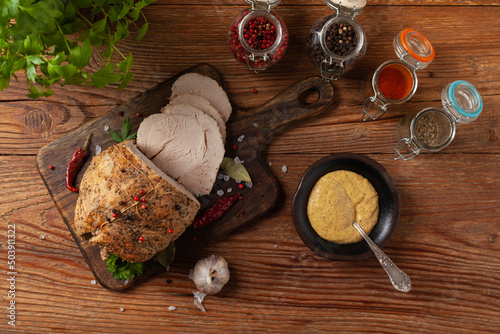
(109, 186)
(153, 133)
(195, 83)
(201, 103)
(193, 150)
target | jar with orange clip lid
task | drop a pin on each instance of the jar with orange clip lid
(395, 81)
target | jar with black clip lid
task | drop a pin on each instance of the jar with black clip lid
(336, 42)
(432, 129)
(395, 81)
(258, 37)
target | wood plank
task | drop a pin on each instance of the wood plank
(277, 283)
(30, 123)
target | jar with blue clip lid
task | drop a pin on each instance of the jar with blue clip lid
(395, 81)
(258, 37)
(432, 129)
(336, 42)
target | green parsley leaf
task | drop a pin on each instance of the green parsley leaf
(52, 41)
(126, 135)
(123, 270)
(115, 137)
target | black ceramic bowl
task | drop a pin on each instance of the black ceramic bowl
(389, 206)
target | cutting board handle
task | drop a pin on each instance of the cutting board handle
(292, 104)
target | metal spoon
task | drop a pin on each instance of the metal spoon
(398, 278)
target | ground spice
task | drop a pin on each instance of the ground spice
(427, 130)
(392, 83)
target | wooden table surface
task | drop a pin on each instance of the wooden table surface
(447, 240)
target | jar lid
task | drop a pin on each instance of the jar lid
(411, 44)
(462, 100)
(347, 7)
(263, 3)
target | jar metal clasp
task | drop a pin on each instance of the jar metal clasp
(409, 145)
(330, 69)
(410, 61)
(254, 64)
(261, 4)
(373, 102)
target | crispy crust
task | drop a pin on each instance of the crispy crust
(117, 175)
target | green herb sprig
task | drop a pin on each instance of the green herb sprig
(126, 135)
(123, 270)
(52, 41)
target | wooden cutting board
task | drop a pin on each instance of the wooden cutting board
(256, 125)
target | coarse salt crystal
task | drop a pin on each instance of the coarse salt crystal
(237, 181)
(270, 163)
(172, 308)
(227, 178)
(126, 281)
(220, 192)
(256, 124)
(284, 169)
(98, 149)
(93, 282)
(238, 160)
(249, 184)
(240, 138)
(229, 190)
(121, 309)
(106, 128)
(220, 176)
(42, 237)
(275, 246)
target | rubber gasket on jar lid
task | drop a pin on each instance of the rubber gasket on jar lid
(406, 35)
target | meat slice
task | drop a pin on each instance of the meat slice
(153, 133)
(192, 150)
(195, 83)
(107, 212)
(201, 103)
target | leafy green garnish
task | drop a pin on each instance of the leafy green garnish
(166, 256)
(123, 270)
(235, 170)
(126, 135)
(52, 41)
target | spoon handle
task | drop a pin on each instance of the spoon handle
(398, 278)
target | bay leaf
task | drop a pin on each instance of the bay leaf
(166, 256)
(235, 170)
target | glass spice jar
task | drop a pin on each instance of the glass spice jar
(395, 81)
(432, 129)
(258, 37)
(336, 42)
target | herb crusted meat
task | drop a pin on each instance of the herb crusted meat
(108, 215)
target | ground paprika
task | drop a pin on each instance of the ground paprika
(392, 83)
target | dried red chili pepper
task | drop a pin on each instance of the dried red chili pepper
(76, 163)
(214, 212)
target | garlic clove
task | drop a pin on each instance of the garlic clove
(210, 274)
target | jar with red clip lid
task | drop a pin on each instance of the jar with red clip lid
(395, 81)
(336, 42)
(432, 129)
(258, 37)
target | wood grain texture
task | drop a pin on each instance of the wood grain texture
(447, 238)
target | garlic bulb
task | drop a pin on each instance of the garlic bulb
(210, 274)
